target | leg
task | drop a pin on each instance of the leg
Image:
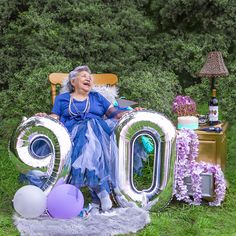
(95, 199)
(102, 193)
(106, 203)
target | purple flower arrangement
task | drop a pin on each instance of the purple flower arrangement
(186, 166)
(184, 106)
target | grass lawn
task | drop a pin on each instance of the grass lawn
(177, 219)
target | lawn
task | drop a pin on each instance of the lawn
(177, 219)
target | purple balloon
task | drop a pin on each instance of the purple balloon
(65, 201)
(59, 182)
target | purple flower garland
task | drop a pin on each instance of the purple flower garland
(186, 166)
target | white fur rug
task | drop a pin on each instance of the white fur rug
(116, 221)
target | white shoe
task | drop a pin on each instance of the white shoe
(106, 203)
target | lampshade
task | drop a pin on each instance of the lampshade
(214, 66)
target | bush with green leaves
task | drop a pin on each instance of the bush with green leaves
(195, 15)
(186, 30)
(152, 88)
(121, 37)
(109, 36)
(40, 37)
(29, 92)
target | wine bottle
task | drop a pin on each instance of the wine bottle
(213, 109)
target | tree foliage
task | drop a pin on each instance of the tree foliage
(154, 89)
(165, 39)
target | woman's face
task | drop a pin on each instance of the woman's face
(83, 81)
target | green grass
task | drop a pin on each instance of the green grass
(144, 180)
(177, 219)
(9, 184)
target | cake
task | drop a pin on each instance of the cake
(187, 122)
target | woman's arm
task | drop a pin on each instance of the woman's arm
(55, 116)
(43, 114)
(113, 112)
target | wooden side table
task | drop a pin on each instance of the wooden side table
(213, 146)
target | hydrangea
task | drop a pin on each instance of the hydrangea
(186, 166)
(184, 106)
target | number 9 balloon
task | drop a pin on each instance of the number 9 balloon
(42, 145)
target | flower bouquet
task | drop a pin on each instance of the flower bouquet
(185, 108)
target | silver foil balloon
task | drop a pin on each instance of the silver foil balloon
(42, 145)
(163, 133)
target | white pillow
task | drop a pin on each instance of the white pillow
(109, 92)
(64, 88)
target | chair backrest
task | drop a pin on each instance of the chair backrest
(99, 79)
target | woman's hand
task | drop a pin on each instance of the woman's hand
(138, 109)
(130, 111)
(114, 113)
(41, 114)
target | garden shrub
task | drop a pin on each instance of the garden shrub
(29, 93)
(121, 37)
(108, 36)
(152, 88)
(198, 16)
(40, 37)
(187, 30)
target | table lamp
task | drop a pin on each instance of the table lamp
(214, 67)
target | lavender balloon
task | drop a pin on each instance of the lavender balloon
(59, 182)
(65, 201)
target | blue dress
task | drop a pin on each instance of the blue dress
(95, 152)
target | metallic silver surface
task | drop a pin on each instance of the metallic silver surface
(52, 134)
(207, 185)
(163, 133)
(36, 131)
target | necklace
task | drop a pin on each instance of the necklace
(78, 112)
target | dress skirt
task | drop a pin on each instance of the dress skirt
(94, 154)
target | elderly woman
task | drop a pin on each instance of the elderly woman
(94, 153)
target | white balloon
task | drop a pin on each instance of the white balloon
(30, 201)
